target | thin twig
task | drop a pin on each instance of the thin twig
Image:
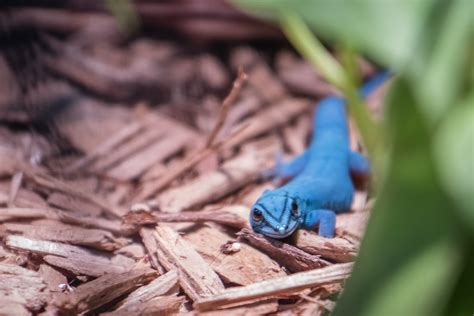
(185, 165)
(228, 101)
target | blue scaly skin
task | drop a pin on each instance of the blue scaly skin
(321, 184)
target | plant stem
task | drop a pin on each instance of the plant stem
(311, 48)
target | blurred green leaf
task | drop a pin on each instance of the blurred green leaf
(387, 31)
(455, 157)
(417, 256)
(125, 14)
(417, 287)
(412, 251)
(428, 40)
(309, 46)
(439, 63)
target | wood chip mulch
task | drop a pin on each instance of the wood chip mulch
(127, 175)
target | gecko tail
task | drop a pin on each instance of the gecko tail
(374, 83)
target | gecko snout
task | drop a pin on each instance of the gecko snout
(280, 229)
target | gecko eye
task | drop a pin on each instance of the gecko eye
(294, 208)
(257, 215)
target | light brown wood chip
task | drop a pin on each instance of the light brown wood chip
(43, 180)
(75, 206)
(289, 256)
(22, 286)
(196, 278)
(15, 213)
(166, 284)
(270, 118)
(95, 238)
(85, 266)
(160, 305)
(8, 307)
(148, 239)
(352, 224)
(24, 199)
(217, 216)
(144, 159)
(259, 308)
(211, 186)
(243, 267)
(335, 249)
(278, 286)
(103, 290)
(76, 259)
(52, 277)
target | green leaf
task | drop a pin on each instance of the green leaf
(302, 38)
(413, 288)
(387, 31)
(427, 40)
(437, 67)
(412, 251)
(455, 157)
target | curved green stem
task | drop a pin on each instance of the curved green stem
(308, 45)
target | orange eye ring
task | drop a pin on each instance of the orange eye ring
(257, 215)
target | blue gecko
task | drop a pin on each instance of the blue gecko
(321, 184)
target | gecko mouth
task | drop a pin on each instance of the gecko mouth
(278, 235)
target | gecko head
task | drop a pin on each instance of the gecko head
(276, 214)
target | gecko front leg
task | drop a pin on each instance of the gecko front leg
(326, 219)
(285, 170)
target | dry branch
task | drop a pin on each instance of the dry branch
(262, 79)
(289, 256)
(196, 278)
(224, 110)
(279, 286)
(187, 164)
(259, 124)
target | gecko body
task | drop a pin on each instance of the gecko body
(321, 184)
